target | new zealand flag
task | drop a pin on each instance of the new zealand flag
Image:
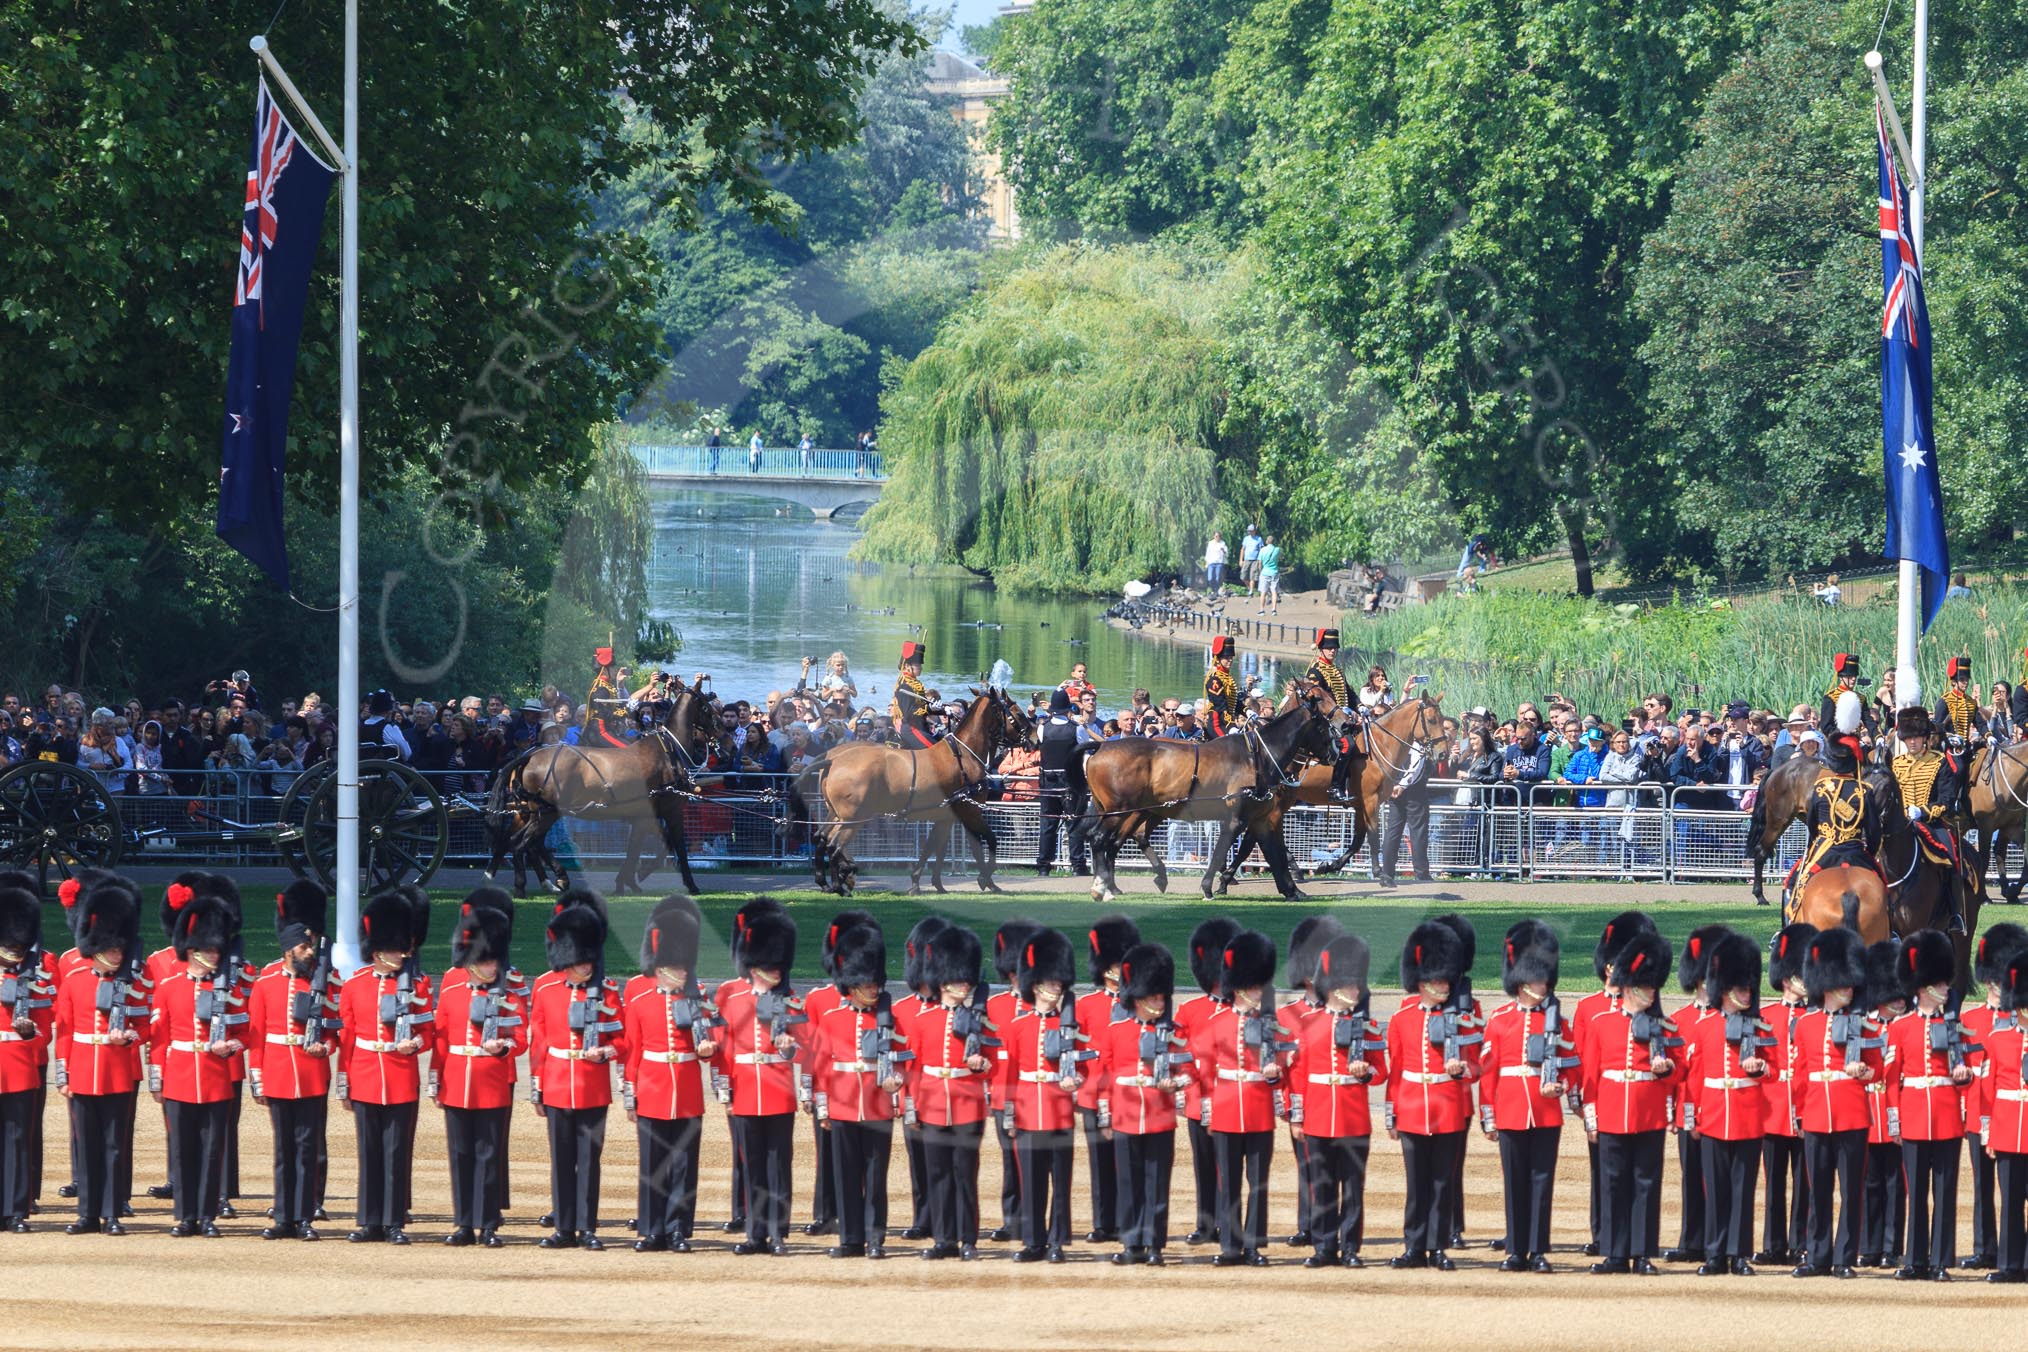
(286, 188)
(1915, 520)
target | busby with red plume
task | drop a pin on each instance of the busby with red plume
(183, 889)
(388, 925)
(1834, 960)
(1529, 954)
(1007, 941)
(1927, 959)
(1431, 953)
(1996, 948)
(765, 939)
(1617, 932)
(1306, 941)
(1207, 951)
(71, 892)
(954, 956)
(1046, 956)
(673, 937)
(1146, 971)
(1345, 963)
(302, 912)
(1786, 953)
(1733, 964)
(859, 957)
(844, 920)
(109, 916)
(2013, 983)
(1643, 963)
(1468, 938)
(202, 924)
(20, 920)
(1106, 942)
(1249, 961)
(574, 936)
(483, 933)
(1696, 958)
(1883, 976)
(916, 948)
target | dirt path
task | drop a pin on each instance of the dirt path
(150, 1291)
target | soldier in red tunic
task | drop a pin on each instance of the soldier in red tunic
(1524, 1070)
(1997, 947)
(27, 1021)
(386, 1009)
(951, 1040)
(1142, 1062)
(1207, 947)
(481, 1030)
(1306, 941)
(1001, 1010)
(1627, 1060)
(1339, 1054)
(574, 1038)
(1236, 1055)
(1690, 972)
(1883, 1211)
(1786, 1218)
(1725, 1065)
(756, 1055)
(1837, 1054)
(198, 1024)
(907, 1009)
(824, 1200)
(101, 1008)
(855, 1055)
(1617, 931)
(292, 1038)
(2003, 1124)
(1046, 1064)
(1929, 1062)
(1107, 941)
(668, 1033)
(1432, 1060)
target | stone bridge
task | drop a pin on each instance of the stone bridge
(823, 481)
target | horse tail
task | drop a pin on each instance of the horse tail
(1086, 828)
(1848, 908)
(499, 831)
(1756, 829)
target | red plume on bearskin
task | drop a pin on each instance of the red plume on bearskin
(68, 890)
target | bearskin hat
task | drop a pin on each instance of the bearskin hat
(1248, 961)
(1696, 958)
(71, 892)
(672, 937)
(1107, 942)
(1306, 941)
(1732, 962)
(184, 888)
(388, 924)
(22, 879)
(586, 897)
(953, 956)
(109, 916)
(767, 940)
(1643, 962)
(202, 923)
(1883, 977)
(1344, 963)
(1928, 958)
(573, 936)
(2013, 982)
(1997, 947)
(859, 957)
(1007, 942)
(1147, 970)
(1913, 721)
(1834, 959)
(1530, 953)
(744, 917)
(1047, 956)
(916, 948)
(1617, 931)
(827, 947)
(419, 912)
(483, 933)
(302, 913)
(1468, 939)
(20, 919)
(1207, 951)
(1431, 953)
(1785, 954)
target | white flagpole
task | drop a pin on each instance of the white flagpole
(345, 929)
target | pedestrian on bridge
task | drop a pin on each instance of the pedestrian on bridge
(753, 454)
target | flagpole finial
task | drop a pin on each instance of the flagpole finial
(259, 44)
(1873, 59)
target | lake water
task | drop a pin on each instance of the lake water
(753, 592)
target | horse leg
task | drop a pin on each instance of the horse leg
(1277, 852)
(629, 877)
(2000, 841)
(676, 842)
(937, 863)
(1227, 831)
(844, 874)
(1228, 866)
(985, 844)
(922, 856)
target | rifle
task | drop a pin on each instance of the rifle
(399, 1008)
(215, 1006)
(1947, 1035)
(18, 992)
(877, 1044)
(488, 1008)
(1061, 1043)
(1545, 1049)
(584, 1018)
(1660, 1034)
(1848, 1030)
(1744, 1032)
(699, 1015)
(1260, 1031)
(314, 1008)
(114, 1000)
(1158, 1049)
(969, 1022)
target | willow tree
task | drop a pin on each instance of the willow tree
(1061, 432)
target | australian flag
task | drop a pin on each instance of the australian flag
(1915, 522)
(286, 188)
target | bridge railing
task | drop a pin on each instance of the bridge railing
(776, 462)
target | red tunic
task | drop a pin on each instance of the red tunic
(468, 1077)
(1238, 1097)
(22, 1054)
(1139, 1106)
(1828, 1099)
(1186, 1017)
(282, 1069)
(1623, 1093)
(178, 1041)
(849, 1084)
(1095, 1011)
(375, 1072)
(1922, 1099)
(763, 1080)
(558, 1069)
(661, 1056)
(1779, 1083)
(1041, 1103)
(1726, 1103)
(948, 1092)
(92, 1063)
(1507, 1083)
(1323, 1095)
(2005, 1124)
(905, 1012)
(1978, 1095)
(1001, 1011)
(1683, 1093)
(1424, 1100)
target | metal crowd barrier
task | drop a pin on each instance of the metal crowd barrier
(1653, 832)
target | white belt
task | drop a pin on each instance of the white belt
(12, 1036)
(1929, 1082)
(1628, 1076)
(571, 1053)
(365, 1045)
(1729, 1082)
(1826, 1076)
(1518, 1071)
(948, 1072)
(94, 1039)
(1052, 1077)
(286, 1039)
(669, 1058)
(1877, 1087)
(759, 1059)
(1242, 1076)
(2012, 1095)
(188, 1046)
(860, 1067)
(468, 1049)
(1786, 1075)
(1135, 1081)
(1424, 1077)
(1335, 1079)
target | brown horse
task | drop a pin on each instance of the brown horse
(861, 782)
(1379, 762)
(1783, 797)
(1999, 784)
(1136, 783)
(641, 783)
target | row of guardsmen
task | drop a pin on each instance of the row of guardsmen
(1847, 1098)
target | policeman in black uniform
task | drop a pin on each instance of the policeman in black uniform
(911, 700)
(1407, 806)
(1063, 788)
(1326, 672)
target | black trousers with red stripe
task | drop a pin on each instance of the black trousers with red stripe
(474, 1141)
(386, 1161)
(1430, 1162)
(1010, 1176)
(1785, 1221)
(1930, 1170)
(1103, 1166)
(1042, 1202)
(859, 1155)
(1204, 1177)
(1730, 1169)
(102, 1130)
(1836, 1162)
(1883, 1228)
(1243, 1158)
(1631, 1165)
(1337, 1188)
(667, 1152)
(1692, 1188)
(1145, 1163)
(17, 1153)
(1528, 1174)
(197, 1144)
(298, 1128)
(951, 1155)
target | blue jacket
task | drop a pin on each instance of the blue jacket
(1583, 769)
(1530, 767)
